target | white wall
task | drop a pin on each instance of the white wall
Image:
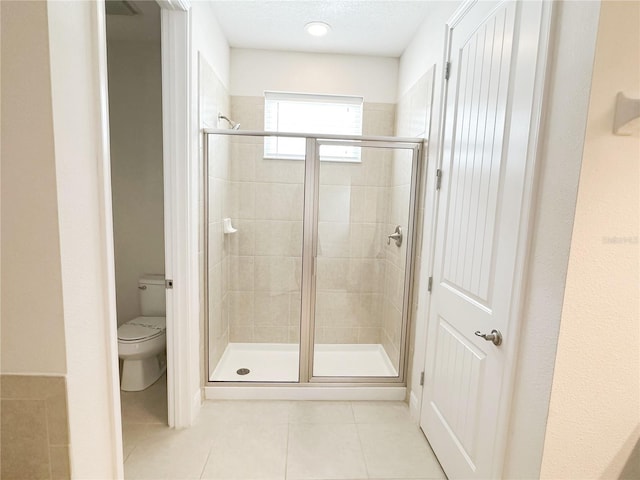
(32, 315)
(209, 45)
(594, 413)
(78, 60)
(209, 40)
(135, 121)
(563, 134)
(562, 141)
(254, 71)
(426, 47)
(424, 53)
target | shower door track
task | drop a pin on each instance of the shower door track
(388, 388)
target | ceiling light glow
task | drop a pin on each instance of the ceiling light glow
(317, 29)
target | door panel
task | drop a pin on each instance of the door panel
(493, 49)
(483, 66)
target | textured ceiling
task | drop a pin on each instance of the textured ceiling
(364, 27)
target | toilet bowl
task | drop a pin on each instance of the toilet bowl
(142, 340)
(141, 345)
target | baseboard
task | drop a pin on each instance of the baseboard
(241, 392)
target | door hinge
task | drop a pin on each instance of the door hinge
(168, 284)
(430, 284)
(447, 70)
(422, 378)
(438, 179)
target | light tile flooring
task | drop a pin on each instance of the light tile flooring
(253, 439)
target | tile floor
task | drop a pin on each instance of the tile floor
(253, 439)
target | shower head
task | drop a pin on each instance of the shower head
(232, 124)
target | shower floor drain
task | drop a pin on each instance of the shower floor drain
(242, 371)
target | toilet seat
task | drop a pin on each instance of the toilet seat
(141, 329)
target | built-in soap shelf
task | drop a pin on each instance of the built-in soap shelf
(227, 228)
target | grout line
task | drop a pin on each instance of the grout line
(46, 420)
(286, 449)
(364, 458)
(204, 466)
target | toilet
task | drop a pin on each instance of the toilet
(142, 340)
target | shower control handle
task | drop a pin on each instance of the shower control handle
(396, 236)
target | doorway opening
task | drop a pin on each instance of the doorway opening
(134, 61)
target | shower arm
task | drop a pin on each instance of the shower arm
(232, 124)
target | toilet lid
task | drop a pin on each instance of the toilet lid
(136, 332)
(157, 323)
(141, 328)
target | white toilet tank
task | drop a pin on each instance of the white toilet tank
(152, 296)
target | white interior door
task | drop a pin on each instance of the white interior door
(486, 174)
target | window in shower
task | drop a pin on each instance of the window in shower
(300, 113)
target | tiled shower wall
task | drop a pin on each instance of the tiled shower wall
(413, 119)
(266, 204)
(213, 99)
(398, 197)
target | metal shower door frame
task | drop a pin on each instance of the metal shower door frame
(310, 248)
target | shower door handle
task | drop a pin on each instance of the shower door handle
(396, 236)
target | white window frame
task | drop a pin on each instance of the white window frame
(273, 123)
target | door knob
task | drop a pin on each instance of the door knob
(495, 336)
(396, 236)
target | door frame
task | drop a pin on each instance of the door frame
(180, 215)
(526, 230)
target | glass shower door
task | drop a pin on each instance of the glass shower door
(365, 205)
(254, 214)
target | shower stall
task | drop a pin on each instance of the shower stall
(308, 258)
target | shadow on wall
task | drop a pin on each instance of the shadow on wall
(632, 467)
(629, 456)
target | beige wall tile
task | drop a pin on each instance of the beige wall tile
(240, 334)
(60, 468)
(278, 171)
(242, 198)
(243, 161)
(243, 241)
(369, 335)
(295, 308)
(334, 203)
(24, 443)
(294, 335)
(355, 201)
(277, 274)
(241, 273)
(278, 237)
(241, 308)
(271, 334)
(335, 239)
(279, 201)
(271, 309)
(57, 422)
(31, 387)
(332, 274)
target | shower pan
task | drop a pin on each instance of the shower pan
(312, 284)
